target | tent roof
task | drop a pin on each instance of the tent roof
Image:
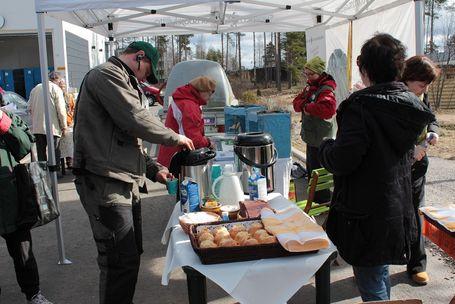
(145, 17)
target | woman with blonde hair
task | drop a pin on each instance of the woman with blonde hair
(184, 115)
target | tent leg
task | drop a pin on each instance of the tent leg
(50, 139)
(420, 26)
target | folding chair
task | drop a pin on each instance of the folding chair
(321, 179)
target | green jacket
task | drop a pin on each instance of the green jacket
(110, 124)
(15, 144)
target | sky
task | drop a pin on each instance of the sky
(444, 25)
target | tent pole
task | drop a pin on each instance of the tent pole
(50, 138)
(419, 24)
(349, 55)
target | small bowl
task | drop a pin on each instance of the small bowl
(214, 209)
(233, 211)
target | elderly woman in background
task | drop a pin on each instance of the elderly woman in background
(185, 115)
(418, 74)
(371, 219)
(66, 143)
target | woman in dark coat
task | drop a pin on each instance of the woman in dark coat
(418, 74)
(371, 219)
(15, 144)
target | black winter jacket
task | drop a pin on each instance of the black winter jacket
(371, 220)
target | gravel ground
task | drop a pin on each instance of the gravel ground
(440, 187)
(440, 191)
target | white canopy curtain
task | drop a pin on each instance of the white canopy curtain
(121, 18)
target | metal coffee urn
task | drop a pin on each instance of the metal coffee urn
(255, 150)
(195, 164)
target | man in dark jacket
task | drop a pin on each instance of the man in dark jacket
(15, 143)
(318, 106)
(371, 220)
(110, 164)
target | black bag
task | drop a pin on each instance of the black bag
(37, 206)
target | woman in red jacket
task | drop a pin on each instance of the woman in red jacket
(318, 106)
(184, 115)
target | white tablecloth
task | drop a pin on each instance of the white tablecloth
(266, 281)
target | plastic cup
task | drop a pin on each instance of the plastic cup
(172, 185)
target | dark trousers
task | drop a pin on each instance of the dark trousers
(19, 244)
(114, 212)
(41, 145)
(312, 163)
(418, 260)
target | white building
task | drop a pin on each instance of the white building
(72, 50)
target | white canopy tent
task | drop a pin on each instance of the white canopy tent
(151, 17)
(121, 18)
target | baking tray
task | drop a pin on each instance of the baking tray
(237, 253)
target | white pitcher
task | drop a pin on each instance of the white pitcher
(230, 191)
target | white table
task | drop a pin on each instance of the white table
(266, 281)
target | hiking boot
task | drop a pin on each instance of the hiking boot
(420, 278)
(39, 299)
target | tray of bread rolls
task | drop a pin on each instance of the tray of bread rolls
(235, 241)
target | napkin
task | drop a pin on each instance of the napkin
(294, 229)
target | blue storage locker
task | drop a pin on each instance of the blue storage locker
(37, 74)
(277, 124)
(8, 80)
(240, 119)
(2, 85)
(29, 81)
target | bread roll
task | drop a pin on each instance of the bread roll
(208, 244)
(250, 242)
(242, 236)
(221, 234)
(267, 239)
(205, 236)
(219, 228)
(203, 230)
(228, 242)
(254, 227)
(259, 232)
(236, 229)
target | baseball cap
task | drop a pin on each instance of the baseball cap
(151, 53)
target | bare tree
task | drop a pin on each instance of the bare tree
(173, 50)
(278, 61)
(227, 51)
(240, 53)
(222, 50)
(254, 59)
(440, 90)
(266, 84)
